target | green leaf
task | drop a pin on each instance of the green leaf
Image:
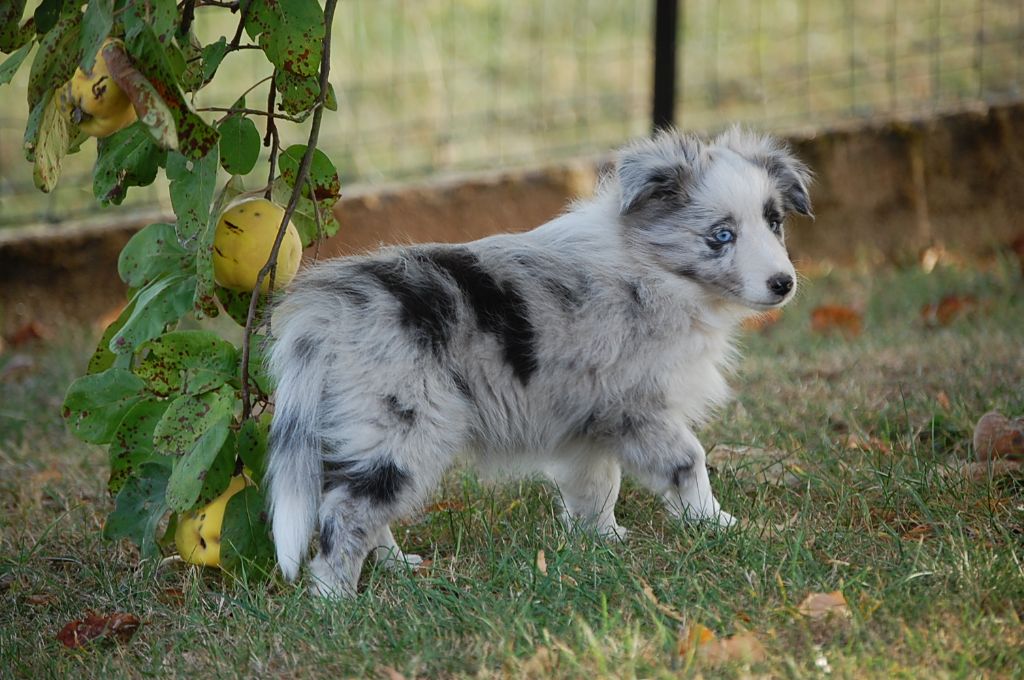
(132, 445)
(102, 358)
(193, 184)
(95, 404)
(151, 253)
(13, 63)
(323, 176)
(218, 473)
(52, 144)
(35, 119)
(196, 138)
(258, 351)
(47, 14)
(252, 445)
(127, 158)
(239, 145)
(157, 304)
(245, 537)
(194, 429)
(12, 34)
(298, 93)
(236, 304)
(304, 217)
(213, 54)
(147, 102)
(190, 362)
(158, 17)
(140, 506)
(291, 33)
(97, 23)
(188, 419)
(56, 58)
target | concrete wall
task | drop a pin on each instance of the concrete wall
(883, 190)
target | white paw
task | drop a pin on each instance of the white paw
(720, 519)
(397, 562)
(614, 532)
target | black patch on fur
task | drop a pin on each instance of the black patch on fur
(634, 293)
(793, 192)
(404, 414)
(327, 537)
(499, 309)
(305, 348)
(427, 307)
(381, 482)
(680, 472)
(356, 296)
(462, 386)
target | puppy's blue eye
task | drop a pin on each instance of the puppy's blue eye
(724, 236)
(775, 226)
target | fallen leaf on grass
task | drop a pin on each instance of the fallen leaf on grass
(917, 532)
(869, 443)
(943, 400)
(948, 309)
(542, 562)
(836, 318)
(996, 436)
(665, 609)
(40, 599)
(743, 647)
(762, 321)
(820, 605)
(119, 626)
(172, 596)
(568, 580)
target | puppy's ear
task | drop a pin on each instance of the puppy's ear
(656, 171)
(790, 175)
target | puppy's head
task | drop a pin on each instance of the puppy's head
(714, 212)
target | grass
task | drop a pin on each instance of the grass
(929, 563)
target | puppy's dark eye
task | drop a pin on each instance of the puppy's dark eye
(775, 225)
(723, 236)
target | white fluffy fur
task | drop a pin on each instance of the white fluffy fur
(589, 346)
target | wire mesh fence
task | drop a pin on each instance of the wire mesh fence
(438, 86)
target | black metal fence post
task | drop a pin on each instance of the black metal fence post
(666, 22)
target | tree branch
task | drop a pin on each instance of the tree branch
(300, 180)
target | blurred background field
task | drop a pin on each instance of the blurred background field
(432, 87)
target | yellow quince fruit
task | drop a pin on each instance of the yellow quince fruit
(241, 245)
(197, 536)
(95, 102)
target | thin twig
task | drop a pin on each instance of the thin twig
(233, 45)
(293, 202)
(272, 138)
(231, 110)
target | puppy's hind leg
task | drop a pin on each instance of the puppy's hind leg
(348, 524)
(588, 479)
(387, 553)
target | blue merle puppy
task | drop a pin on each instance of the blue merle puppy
(591, 345)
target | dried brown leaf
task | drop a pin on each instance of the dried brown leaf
(996, 437)
(837, 318)
(119, 626)
(948, 309)
(542, 562)
(28, 332)
(821, 605)
(661, 606)
(742, 647)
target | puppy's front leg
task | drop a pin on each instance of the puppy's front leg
(668, 458)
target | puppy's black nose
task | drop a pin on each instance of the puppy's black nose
(780, 284)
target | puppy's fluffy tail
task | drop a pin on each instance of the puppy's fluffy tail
(295, 468)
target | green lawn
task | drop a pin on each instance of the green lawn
(929, 562)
